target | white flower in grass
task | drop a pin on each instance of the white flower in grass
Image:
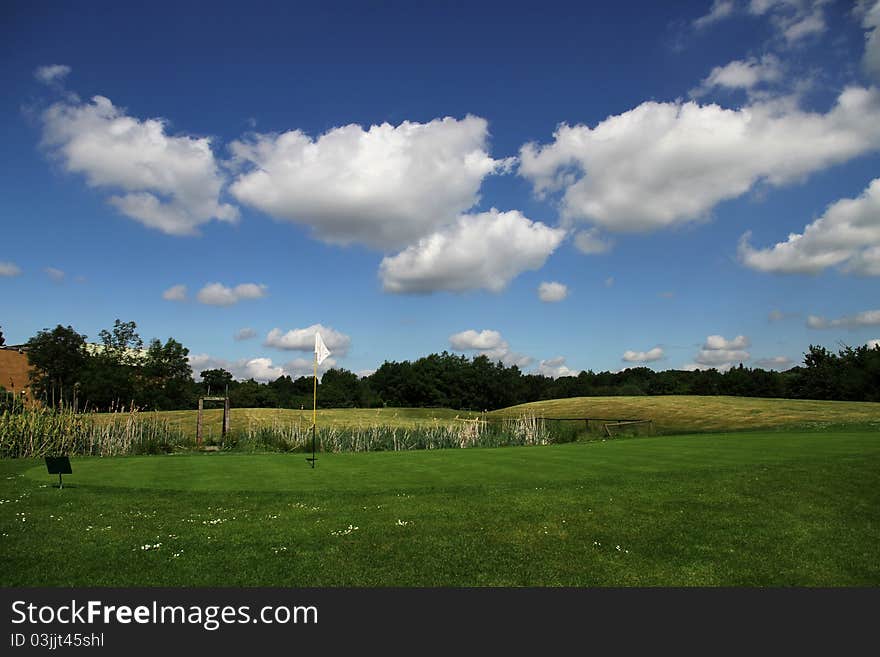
(345, 532)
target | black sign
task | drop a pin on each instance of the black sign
(58, 465)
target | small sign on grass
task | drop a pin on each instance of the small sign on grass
(59, 465)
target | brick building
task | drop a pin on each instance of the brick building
(15, 371)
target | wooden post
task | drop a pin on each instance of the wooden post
(225, 417)
(199, 422)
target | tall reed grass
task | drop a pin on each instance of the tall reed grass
(293, 437)
(38, 432)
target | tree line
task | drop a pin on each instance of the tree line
(119, 372)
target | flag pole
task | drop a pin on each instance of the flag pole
(321, 353)
(315, 410)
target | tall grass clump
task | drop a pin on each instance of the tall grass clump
(38, 432)
(275, 437)
(294, 437)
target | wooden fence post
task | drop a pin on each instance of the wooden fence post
(199, 423)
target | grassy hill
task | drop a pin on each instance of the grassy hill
(670, 414)
(699, 414)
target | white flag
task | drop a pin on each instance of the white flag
(321, 350)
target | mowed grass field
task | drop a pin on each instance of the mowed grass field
(699, 414)
(781, 508)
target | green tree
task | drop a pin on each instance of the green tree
(59, 358)
(110, 380)
(166, 377)
(251, 394)
(216, 380)
(122, 343)
(339, 388)
(819, 380)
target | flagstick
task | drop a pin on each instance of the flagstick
(315, 410)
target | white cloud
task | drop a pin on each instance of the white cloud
(760, 7)
(250, 291)
(846, 235)
(260, 369)
(217, 294)
(305, 367)
(873, 344)
(721, 357)
(866, 262)
(490, 344)
(719, 342)
(774, 363)
(171, 183)
(700, 367)
(813, 23)
(793, 19)
(175, 293)
(385, 186)
(55, 274)
(303, 339)
(364, 373)
(741, 74)
(643, 356)
(51, 74)
(551, 291)
(485, 250)
(859, 320)
(244, 334)
(200, 362)
(555, 368)
(720, 353)
(9, 269)
(664, 164)
(471, 339)
(871, 23)
(591, 242)
(720, 10)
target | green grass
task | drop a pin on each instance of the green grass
(757, 508)
(693, 414)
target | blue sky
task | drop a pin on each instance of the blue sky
(557, 185)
